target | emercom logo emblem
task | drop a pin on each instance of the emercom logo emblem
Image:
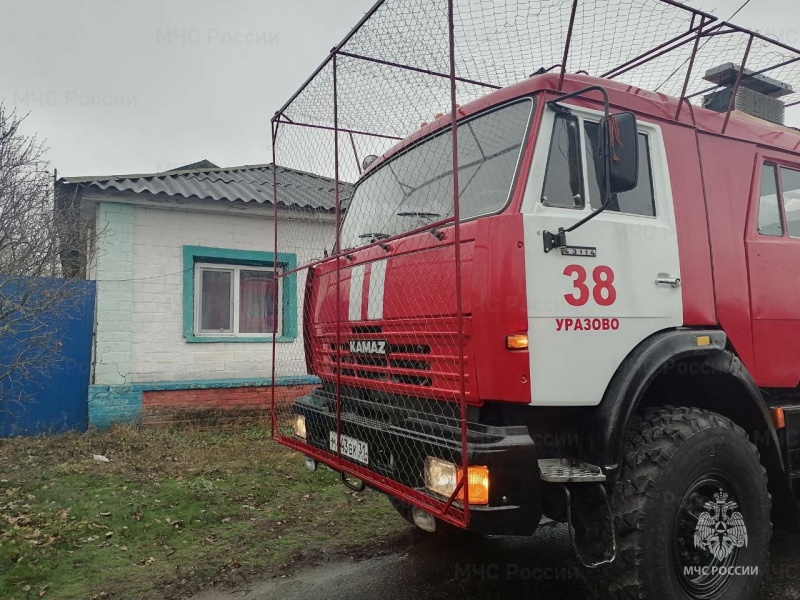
(721, 528)
(374, 347)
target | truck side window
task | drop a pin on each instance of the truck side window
(769, 210)
(790, 182)
(563, 179)
(638, 201)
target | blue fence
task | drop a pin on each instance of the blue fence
(45, 354)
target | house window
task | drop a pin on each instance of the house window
(234, 295)
(236, 300)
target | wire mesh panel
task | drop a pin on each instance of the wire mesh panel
(382, 265)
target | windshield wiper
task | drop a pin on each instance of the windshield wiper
(377, 235)
(421, 215)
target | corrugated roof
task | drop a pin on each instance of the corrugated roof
(249, 183)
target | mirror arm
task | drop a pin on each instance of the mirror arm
(591, 216)
(553, 104)
(559, 240)
(587, 218)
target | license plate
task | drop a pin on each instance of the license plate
(352, 448)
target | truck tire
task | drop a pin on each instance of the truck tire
(690, 509)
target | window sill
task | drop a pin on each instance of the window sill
(202, 339)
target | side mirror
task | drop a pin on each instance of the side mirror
(618, 145)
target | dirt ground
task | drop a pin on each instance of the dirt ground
(539, 567)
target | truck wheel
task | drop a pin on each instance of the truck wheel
(691, 511)
(442, 528)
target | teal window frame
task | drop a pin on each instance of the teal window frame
(223, 256)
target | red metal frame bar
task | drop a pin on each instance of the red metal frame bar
(338, 203)
(567, 44)
(272, 417)
(340, 129)
(457, 238)
(454, 495)
(691, 66)
(450, 514)
(416, 69)
(691, 24)
(355, 152)
(732, 103)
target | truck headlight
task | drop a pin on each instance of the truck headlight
(442, 477)
(300, 426)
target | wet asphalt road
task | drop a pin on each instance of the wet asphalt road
(540, 567)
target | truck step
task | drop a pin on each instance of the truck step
(565, 470)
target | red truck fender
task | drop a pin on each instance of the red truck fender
(704, 356)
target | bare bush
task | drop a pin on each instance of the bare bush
(42, 247)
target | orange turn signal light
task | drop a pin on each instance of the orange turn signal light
(517, 342)
(477, 484)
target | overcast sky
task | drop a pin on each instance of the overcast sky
(149, 85)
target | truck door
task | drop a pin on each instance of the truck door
(589, 307)
(773, 253)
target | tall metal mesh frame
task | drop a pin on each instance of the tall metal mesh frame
(402, 62)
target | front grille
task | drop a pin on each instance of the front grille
(399, 363)
(409, 349)
(386, 368)
(424, 356)
(367, 329)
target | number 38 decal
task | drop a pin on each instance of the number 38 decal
(602, 287)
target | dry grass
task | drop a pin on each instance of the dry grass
(171, 513)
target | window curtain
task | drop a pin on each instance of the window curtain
(256, 302)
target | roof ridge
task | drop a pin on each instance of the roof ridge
(162, 174)
(246, 183)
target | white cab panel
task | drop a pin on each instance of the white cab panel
(581, 329)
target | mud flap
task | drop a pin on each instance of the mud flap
(591, 527)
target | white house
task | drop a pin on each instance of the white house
(184, 264)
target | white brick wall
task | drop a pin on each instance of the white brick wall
(158, 351)
(114, 272)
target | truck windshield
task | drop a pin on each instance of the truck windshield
(415, 188)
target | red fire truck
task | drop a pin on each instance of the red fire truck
(625, 330)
